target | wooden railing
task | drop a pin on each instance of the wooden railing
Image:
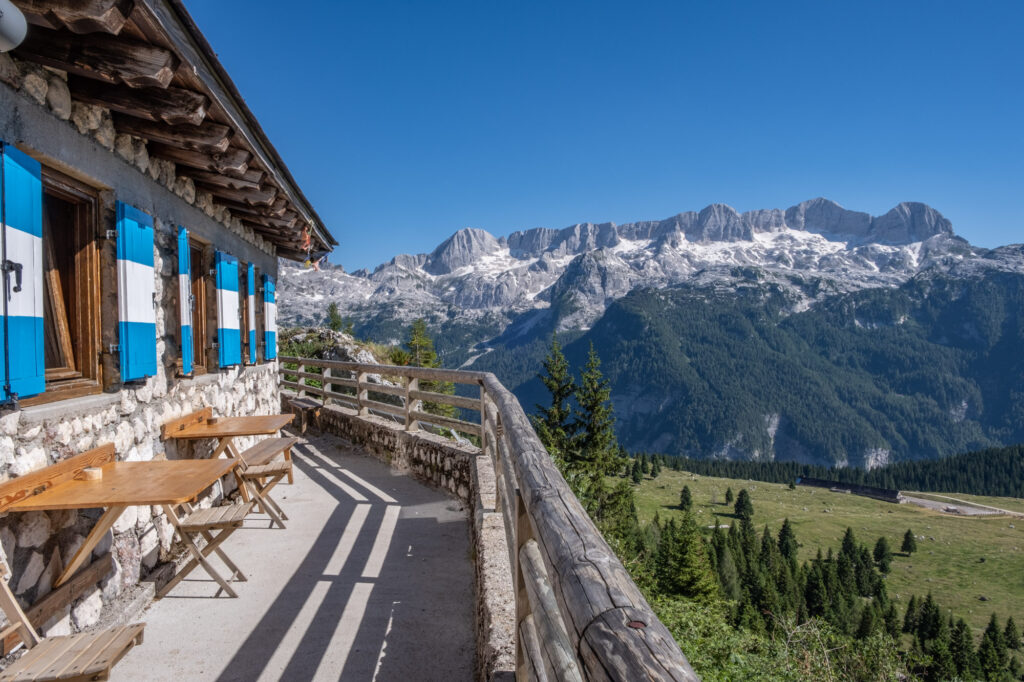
(579, 615)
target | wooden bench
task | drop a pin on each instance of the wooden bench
(199, 522)
(258, 474)
(305, 410)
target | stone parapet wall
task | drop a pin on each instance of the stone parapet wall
(35, 545)
(463, 471)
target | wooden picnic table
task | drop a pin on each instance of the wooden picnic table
(226, 429)
(126, 484)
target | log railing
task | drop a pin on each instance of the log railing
(579, 615)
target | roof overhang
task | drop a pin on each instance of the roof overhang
(148, 63)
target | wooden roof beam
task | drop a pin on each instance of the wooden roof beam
(250, 197)
(233, 161)
(206, 137)
(78, 16)
(173, 106)
(100, 57)
(219, 180)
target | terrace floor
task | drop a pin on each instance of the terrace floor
(372, 579)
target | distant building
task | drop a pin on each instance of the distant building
(144, 211)
(885, 494)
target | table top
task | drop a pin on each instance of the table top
(131, 483)
(227, 427)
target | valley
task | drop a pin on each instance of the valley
(960, 559)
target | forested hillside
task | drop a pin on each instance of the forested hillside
(926, 370)
(997, 472)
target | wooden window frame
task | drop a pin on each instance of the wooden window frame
(200, 277)
(85, 329)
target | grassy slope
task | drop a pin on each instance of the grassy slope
(948, 566)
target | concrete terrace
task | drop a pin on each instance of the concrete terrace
(372, 579)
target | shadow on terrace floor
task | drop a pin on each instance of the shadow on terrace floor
(371, 580)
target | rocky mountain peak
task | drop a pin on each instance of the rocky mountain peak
(461, 249)
(908, 222)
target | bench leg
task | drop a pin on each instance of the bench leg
(198, 557)
(265, 503)
(236, 571)
(288, 458)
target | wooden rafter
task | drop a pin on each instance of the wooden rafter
(78, 16)
(251, 197)
(218, 180)
(206, 137)
(233, 161)
(100, 57)
(173, 106)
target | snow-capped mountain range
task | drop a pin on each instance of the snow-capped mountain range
(815, 248)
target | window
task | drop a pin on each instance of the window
(243, 310)
(200, 326)
(71, 289)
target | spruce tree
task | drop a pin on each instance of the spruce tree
(636, 474)
(744, 507)
(787, 541)
(1011, 635)
(334, 321)
(728, 496)
(685, 499)
(961, 646)
(883, 555)
(655, 468)
(420, 348)
(552, 423)
(910, 618)
(681, 565)
(594, 450)
(992, 653)
(909, 545)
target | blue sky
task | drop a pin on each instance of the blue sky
(405, 121)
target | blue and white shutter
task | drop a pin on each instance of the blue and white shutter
(185, 300)
(229, 339)
(136, 285)
(250, 290)
(23, 369)
(269, 319)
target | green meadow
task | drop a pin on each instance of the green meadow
(972, 565)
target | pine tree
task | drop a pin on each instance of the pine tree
(910, 618)
(420, 348)
(744, 507)
(1011, 635)
(883, 555)
(787, 541)
(909, 545)
(552, 423)
(334, 321)
(685, 499)
(993, 656)
(728, 576)
(849, 546)
(655, 468)
(961, 646)
(594, 451)
(867, 625)
(681, 565)
(728, 496)
(892, 621)
(636, 474)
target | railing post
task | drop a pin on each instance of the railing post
(522, 596)
(301, 379)
(362, 394)
(411, 384)
(483, 419)
(328, 373)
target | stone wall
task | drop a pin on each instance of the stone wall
(463, 471)
(34, 545)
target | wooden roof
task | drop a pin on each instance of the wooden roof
(147, 62)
